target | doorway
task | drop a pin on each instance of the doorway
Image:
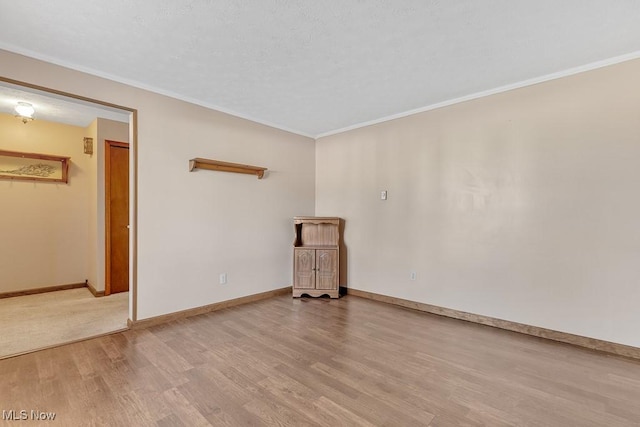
(78, 314)
(116, 217)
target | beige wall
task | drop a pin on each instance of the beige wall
(92, 207)
(194, 226)
(44, 225)
(522, 206)
(519, 206)
(100, 130)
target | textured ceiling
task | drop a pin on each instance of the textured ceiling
(54, 108)
(314, 67)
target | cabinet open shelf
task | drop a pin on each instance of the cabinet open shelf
(316, 256)
(217, 165)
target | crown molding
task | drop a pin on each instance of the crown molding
(524, 83)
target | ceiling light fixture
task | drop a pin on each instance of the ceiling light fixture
(25, 111)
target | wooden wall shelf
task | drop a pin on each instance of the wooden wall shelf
(217, 165)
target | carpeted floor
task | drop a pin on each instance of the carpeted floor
(34, 322)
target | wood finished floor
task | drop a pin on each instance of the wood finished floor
(323, 362)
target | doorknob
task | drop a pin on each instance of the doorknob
(128, 226)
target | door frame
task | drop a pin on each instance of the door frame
(107, 211)
(133, 182)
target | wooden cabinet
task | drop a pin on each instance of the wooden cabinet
(316, 256)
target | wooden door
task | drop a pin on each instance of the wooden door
(305, 269)
(117, 216)
(327, 269)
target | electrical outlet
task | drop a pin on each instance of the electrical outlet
(383, 195)
(413, 275)
(223, 278)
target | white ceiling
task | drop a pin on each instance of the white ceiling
(315, 67)
(55, 108)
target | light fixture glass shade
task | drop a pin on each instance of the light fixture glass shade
(24, 109)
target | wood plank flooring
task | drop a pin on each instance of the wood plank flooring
(320, 362)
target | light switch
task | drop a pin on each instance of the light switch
(383, 195)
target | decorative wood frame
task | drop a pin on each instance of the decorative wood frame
(15, 165)
(217, 165)
(88, 145)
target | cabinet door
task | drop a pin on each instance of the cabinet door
(304, 267)
(327, 269)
